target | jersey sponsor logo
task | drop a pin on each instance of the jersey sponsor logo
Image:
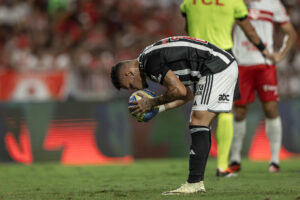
(271, 88)
(250, 47)
(209, 2)
(224, 98)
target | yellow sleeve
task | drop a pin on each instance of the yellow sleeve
(240, 9)
(183, 6)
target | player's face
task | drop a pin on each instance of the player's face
(133, 79)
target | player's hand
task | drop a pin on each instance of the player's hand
(275, 57)
(141, 106)
(266, 53)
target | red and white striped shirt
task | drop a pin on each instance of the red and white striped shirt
(262, 14)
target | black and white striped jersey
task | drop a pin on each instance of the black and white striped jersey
(189, 58)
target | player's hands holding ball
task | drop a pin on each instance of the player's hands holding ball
(141, 106)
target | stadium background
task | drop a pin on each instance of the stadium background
(57, 102)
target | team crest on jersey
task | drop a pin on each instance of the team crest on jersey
(199, 89)
(254, 13)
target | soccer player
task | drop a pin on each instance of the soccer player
(257, 73)
(188, 68)
(212, 20)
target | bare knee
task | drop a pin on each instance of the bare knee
(271, 109)
(201, 118)
(240, 113)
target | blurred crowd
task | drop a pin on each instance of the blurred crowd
(86, 37)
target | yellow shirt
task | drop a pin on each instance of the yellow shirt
(212, 20)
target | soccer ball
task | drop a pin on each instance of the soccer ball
(145, 116)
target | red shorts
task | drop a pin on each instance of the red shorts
(260, 78)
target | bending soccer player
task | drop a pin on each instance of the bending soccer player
(256, 73)
(213, 22)
(189, 69)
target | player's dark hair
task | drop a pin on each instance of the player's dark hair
(114, 75)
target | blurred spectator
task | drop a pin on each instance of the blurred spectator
(85, 37)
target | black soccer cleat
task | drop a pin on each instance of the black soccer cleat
(226, 173)
(235, 166)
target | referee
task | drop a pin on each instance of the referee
(213, 20)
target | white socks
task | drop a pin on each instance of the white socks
(237, 142)
(274, 133)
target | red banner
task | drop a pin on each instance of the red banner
(37, 86)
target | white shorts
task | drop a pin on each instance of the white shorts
(214, 92)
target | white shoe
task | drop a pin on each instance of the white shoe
(187, 188)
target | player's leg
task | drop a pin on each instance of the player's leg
(268, 93)
(247, 95)
(274, 133)
(224, 135)
(200, 144)
(224, 132)
(240, 113)
(199, 151)
(213, 94)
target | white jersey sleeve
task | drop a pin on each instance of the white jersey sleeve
(280, 15)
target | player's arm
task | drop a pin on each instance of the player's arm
(183, 13)
(186, 23)
(251, 34)
(174, 104)
(175, 91)
(290, 38)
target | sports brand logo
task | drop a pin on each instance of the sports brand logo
(224, 98)
(195, 103)
(156, 79)
(192, 152)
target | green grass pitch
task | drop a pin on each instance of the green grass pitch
(145, 179)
